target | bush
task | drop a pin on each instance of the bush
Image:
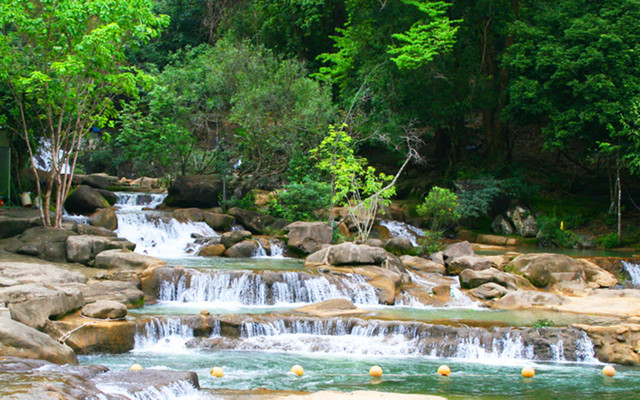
(475, 196)
(430, 243)
(304, 201)
(543, 323)
(608, 241)
(551, 234)
(441, 208)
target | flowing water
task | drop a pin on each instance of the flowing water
(634, 272)
(256, 337)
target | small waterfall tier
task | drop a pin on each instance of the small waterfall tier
(403, 230)
(634, 272)
(137, 201)
(266, 288)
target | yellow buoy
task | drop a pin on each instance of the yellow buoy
(375, 371)
(444, 370)
(136, 367)
(609, 370)
(528, 372)
(297, 369)
(217, 372)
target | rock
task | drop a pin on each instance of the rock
(105, 309)
(19, 340)
(489, 291)
(137, 381)
(33, 304)
(84, 248)
(493, 240)
(83, 229)
(253, 221)
(109, 196)
(120, 291)
(437, 257)
(84, 200)
(189, 214)
(502, 260)
(374, 242)
(14, 221)
(228, 239)
(125, 259)
(105, 218)
(331, 308)
(523, 221)
(559, 272)
(46, 274)
(279, 224)
(502, 226)
(244, 249)
(200, 191)
(618, 344)
(95, 336)
(528, 299)
(214, 250)
(145, 181)
(353, 254)
(308, 237)
(457, 250)
(459, 264)
(218, 222)
(96, 181)
(470, 279)
(422, 264)
(387, 281)
(41, 242)
(398, 246)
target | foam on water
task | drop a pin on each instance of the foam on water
(403, 230)
(634, 271)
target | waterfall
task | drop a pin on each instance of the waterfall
(163, 336)
(160, 235)
(137, 201)
(43, 160)
(634, 271)
(403, 230)
(250, 288)
(181, 390)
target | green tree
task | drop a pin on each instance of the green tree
(64, 61)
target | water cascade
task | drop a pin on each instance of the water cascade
(251, 288)
(180, 390)
(137, 201)
(634, 271)
(163, 335)
(403, 230)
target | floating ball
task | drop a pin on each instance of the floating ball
(375, 371)
(217, 372)
(136, 367)
(528, 372)
(609, 370)
(297, 369)
(444, 370)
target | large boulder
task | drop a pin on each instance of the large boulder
(352, 254)
(85, 248)
(307, 237)
(96, 181)
(84, 229)
(456, 250)
(476, 263)
(86, 336)
(228, 239)
(34, 304)
(125, 259)
(618, 344)
(331, 308)
(14, 221)
(18, 273)
(212, 250)
(105, 309)
(41, 242)
(85, 200)
(121, 291)
(489, 291)
(470, 279)
(398, 246)
(523, 221)
(201, 191)
(244, 249)
(253, 221)
(560, 272)
(423, 264)
(104, 218)
(525, 299)
(218, 222)
(19, 340)
(502, 225)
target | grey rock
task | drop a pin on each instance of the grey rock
(19, 340)
(459, 264)
(523, 220)
(125, 292)
(14, 221)
(489, 291)
(228, 239)
(85, 200)
(218, 222)
(253, 221)
(125, 259)
(104, 218)
(84, 229)
(502, 226)
(353, 254)
(244, 249)
(105, 309)
(423, 264)
(41, 242)
(456, 250)
(201, 191)
(398, 246)
(470, 279)
(84, 248)
(307, 237)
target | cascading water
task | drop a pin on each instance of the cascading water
(137, 201)
(250, 288)
(166, 336)
(181, 390)
(634, 271)
(403, 230)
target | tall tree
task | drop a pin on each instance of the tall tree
(63, 62)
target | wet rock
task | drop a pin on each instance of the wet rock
(308, 237)
(253, 221)
(619, 344)
(200, 191)
(34, 304)
(228, 239)
(470, 279)
(244, 249)
(41, 242)
(84, 248)
(489, 291)
(19, 340)
(214, 250)
(85, 200)
(560, 272)
(437, 257)
(105, 309)
(125, 259)
(105, 218)
(459, 264)
(423, 264)
(457, 250)
(331, 308)
(218, 222)
(398, 246)
(189, 214)
(84, 229)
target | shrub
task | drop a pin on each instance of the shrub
(550, 234)
(304, 201)
(475, 196)
(441, 208)
(543, 323)
(608, 241)
(430, 243)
